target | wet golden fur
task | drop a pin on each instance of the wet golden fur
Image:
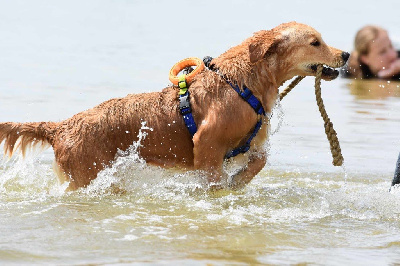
(89, 141)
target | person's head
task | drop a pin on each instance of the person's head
(373, 48)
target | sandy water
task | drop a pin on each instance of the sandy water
(57, 60)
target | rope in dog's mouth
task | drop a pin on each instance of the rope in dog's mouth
(329, 130)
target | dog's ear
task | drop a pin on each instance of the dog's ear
(263, 42)
(257, 52)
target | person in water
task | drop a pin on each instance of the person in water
(373, 56)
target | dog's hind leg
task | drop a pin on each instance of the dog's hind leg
(244, 176)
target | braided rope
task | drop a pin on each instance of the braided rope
(291, 86)
(329, 130)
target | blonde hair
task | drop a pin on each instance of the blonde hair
(362, 42)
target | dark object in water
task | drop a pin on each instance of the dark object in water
(396, 178)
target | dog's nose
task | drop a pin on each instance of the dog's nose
(345, 56)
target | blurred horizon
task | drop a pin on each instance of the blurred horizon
(69, 50)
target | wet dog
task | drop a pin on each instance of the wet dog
(91, 140)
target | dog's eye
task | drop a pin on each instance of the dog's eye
(315, 43)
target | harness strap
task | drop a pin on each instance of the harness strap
(252, 100)
(246, 146)
(246, 94)
(184, 105)
(249, 97)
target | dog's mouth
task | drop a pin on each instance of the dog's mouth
(328, 73)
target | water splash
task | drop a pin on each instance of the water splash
(29, 176)
(126, 166)
(345, 172)
(280, 114)
(130, 173)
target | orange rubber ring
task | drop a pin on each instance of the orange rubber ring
(178, 67)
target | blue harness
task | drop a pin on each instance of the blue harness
(184, 105)
(246, 94)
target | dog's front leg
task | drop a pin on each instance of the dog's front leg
(209, 158)
(211, 165)
(245, 175)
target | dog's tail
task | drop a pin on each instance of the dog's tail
(25, 135)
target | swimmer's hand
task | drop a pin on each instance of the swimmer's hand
(392, 70)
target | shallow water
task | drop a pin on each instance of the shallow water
(57, 60)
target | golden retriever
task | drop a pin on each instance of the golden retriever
(91, 140)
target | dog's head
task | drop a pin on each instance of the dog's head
(296, 49)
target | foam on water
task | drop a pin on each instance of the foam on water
(273, 196)
(136, 204)
(29, 176)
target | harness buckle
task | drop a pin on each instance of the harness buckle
(184, 102)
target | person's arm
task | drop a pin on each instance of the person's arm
(393, 70)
